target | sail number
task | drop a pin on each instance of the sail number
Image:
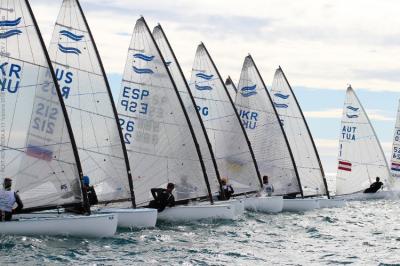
(249, 119)
(202, 110)
(45, 118)
(8, 72)
(127, 127)
(132, 100)
(396, 153)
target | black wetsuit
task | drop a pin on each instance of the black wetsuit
(374, 187)
(92, 197)
(227, 191)
(162, 199)
(6, 216)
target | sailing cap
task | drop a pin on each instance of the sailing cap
(86, 180)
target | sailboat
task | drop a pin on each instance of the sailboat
(93, 116)
(159, 137)
(195, 119)
(37, 145)
(361, 158)
(305, 154)
(231, 147)
(230, 86)
(264, 129)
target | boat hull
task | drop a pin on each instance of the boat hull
(300, 205)
(237, 204)
(132, 218)
(93, 226)
(197, 212)
(371, 196)
(331, 203)
(264, 204)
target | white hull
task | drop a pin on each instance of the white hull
(132, 218)
(371, 196)
(331, 203)
(300, 205)
(103, 225)
(237, 204)
(264, 204)
(197, 212)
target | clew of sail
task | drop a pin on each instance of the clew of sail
(228, 139)
(305, 154)
(264, 130)
(194, 116)
(89, 103)
(361, 157)
(38, 149)
(157, 133)
(230, 86)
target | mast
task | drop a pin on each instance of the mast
(309, 133)
(86, 204)
(197, 111)
(237, 116)
(114, 109)
(184, 112)
(280, 125)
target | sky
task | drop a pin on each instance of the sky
(322, 46)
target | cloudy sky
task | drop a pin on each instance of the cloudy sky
(321, 45)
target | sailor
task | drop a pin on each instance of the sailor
(227, 190)
(91, 193)
(374, 186)
(267, 187)
(162, 197)
(7, 200)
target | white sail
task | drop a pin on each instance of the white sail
(263, 128)
(230, 86)
(194, 116)
(160, 146)
(299, 137)
(361, 158)
(37, 149)
(88, 99)
(395, 159)
(228, 138)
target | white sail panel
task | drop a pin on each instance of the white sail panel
(37, 150)
(160, 146)
(395, 159)
(300, 140)
(263, 128)
(361, 158)
(182, 86)
(226, 135)
(230, 86)
(89, 104)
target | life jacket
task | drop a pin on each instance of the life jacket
(7, 200)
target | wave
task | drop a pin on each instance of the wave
(281, 105)
(204, 76)
(352, 108)
(143, 70)
(144, 57)
(71, 35)
(69, 50)
(203, 88)
(9, 33)
(282, 96)
(10, 23)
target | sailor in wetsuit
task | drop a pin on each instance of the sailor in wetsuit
(374, 186)
(267, 187)
(227, 190)
(91, 193)
(162, 198)
(7, 200)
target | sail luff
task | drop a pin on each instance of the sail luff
(309, 133)
(237, 116)
(114, 109)
(197, 111)
(86, 204)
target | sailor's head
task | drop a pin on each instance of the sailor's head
(170, 187)
(7, 183)
(224, 181)
(265, 179)
(86, 180)
(377, 179)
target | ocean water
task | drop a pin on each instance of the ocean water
(363, 233)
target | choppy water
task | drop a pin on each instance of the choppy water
(363, 233)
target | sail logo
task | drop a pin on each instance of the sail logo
(349, 133)
(203, 88)
(352, 112)
(204, 76)
(280, 100)
(344, 166)
(10, 23)
(249, 118)
(248, 91)
(142, 70)
(71, 35)
(69, 50)
(144, 57)
(10, 72)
